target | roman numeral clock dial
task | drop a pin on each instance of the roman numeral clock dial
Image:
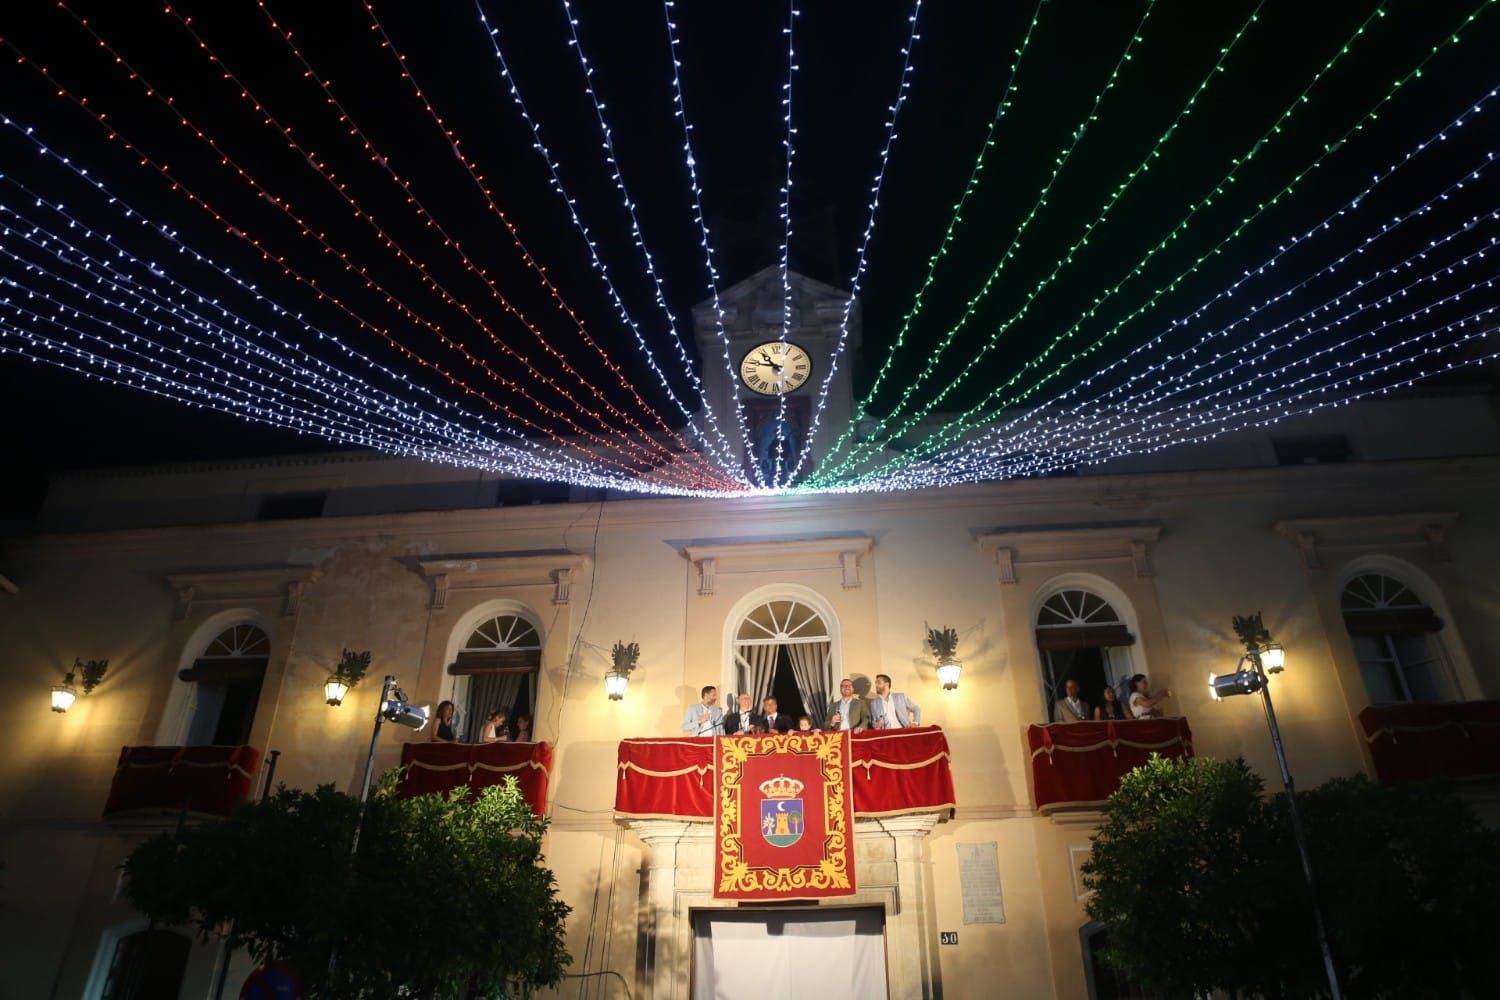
(775, 369)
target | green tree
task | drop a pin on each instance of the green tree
(1197, 879)
(445, 894)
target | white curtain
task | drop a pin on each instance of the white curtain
(757, 672)
(488, 692)
(810, 668)
(754, 954)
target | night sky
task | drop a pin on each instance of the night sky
(734, 65)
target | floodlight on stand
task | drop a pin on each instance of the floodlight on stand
(1273, 657)
(398, 710)
(62, 697)
(1222, 686)
(334, 690)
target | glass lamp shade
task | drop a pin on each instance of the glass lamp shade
(1273, 657)
(62, 697)
(334, 690)
(615, 683)
(948, 672)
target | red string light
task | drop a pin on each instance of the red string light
(614, 441)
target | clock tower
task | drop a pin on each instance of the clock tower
(764, 372)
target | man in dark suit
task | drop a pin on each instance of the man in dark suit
(775, 722)
(744, 719)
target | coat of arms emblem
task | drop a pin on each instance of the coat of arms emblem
(781, 811)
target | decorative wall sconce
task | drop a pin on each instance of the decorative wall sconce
(944, 646)
(346, 675)
(617, 678)
(87, 674)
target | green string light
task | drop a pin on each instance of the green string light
(1059, 162)
(1068, 255)
(958, 208)
(963, 423)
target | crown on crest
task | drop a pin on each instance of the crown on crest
(781, 787)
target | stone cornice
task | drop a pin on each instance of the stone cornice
(841, 552)
(498, 570)
(247, 584)
(1314, 533)
(1023, 497)
(1070, 543)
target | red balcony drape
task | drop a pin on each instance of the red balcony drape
(442, 767)
(894, 772)
(1081, 763)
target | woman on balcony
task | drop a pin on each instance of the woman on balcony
(1109, 708)
(495, 730)
(443, 732)
(1144, 704)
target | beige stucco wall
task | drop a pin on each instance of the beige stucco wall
(1217, 554)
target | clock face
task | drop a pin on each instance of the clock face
(774, 368)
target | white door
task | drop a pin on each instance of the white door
(817, 954)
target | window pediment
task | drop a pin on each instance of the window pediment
(1313, 533)
(1013, 548)
(500, 571)
(238, 585)
(842, 553)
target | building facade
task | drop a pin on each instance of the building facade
(222, 596)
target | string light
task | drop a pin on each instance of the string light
(384, 162)
(177, 185)
(235, 350)
(1120, 418)
(1160, 368)
(159, 230)
(269, 399)
(613, 441)
(1061, 161)
(964, 422)
(864, 244)
(786, 229)
(680, 111)
(599, 267)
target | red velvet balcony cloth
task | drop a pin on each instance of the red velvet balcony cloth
(1081, 763)
(210, 781)
(1456, 739)
(442, 767)
(894, 772)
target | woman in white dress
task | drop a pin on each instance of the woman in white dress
(1144, 704)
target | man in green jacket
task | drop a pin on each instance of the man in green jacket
(848, 710)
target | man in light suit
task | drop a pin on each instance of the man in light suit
(892, 709)
(705, 718)
(848, 710)
(1071, 707)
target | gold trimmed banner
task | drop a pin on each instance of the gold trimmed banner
(783, 817)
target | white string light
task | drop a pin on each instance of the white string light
(725, 457)
(964, 422)
(864, 245)
(786, 230)
(680, 111)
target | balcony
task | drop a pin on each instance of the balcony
(893, 772)
(442, 767)
(1077, 765)
(203, 781)
(1459, 739)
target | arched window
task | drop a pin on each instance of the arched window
(1082, 638)
(1396, 640)
(783, 649)
(148, 963)
(500, 659)
(226, 680)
